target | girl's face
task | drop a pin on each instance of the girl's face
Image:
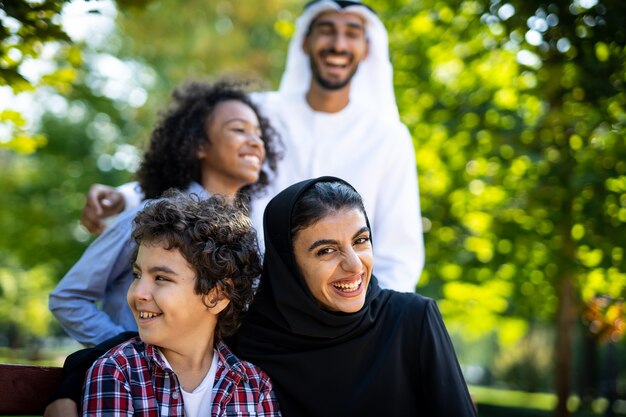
(335, 257)
(235, 152)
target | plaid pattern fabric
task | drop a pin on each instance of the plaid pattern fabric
(132, 379)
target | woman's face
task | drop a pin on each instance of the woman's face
(235, 153)
(335, 257)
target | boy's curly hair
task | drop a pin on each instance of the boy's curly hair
(171, 160)
(216, 238)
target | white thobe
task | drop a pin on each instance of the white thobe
(375, 155)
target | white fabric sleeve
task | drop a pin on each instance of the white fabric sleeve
(132, 193)
(397, 233)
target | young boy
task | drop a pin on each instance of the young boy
(194, 268)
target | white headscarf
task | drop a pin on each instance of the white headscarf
(373, 82)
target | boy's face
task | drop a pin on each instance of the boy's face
(168, 312)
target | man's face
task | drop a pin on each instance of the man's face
(336, 43)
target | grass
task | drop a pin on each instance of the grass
(495, 402)
(510, 398)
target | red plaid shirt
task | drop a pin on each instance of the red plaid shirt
(132, 380)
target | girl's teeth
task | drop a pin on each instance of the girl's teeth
(252, 158)
(147, 315)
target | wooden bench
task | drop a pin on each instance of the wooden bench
(25, 389)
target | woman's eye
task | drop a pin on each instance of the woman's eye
(361, 240)
(136, 275)
(160, 278)
(325, 251)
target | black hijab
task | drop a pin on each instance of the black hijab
(325, 363)
(290, 304)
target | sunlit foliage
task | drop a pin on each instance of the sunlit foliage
(517, 112)
(520, 145)
(26, 28)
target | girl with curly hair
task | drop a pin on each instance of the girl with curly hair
(186, 145)
(211, 140)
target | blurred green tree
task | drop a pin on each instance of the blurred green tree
(41, 195)
(25, 27)
(31, 35)
(41, 192)
(517, 111)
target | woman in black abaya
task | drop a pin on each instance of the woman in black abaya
(333, 342)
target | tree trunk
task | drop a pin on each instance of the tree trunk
(589, 369)
(566, 320)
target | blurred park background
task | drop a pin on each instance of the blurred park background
(518, 115)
